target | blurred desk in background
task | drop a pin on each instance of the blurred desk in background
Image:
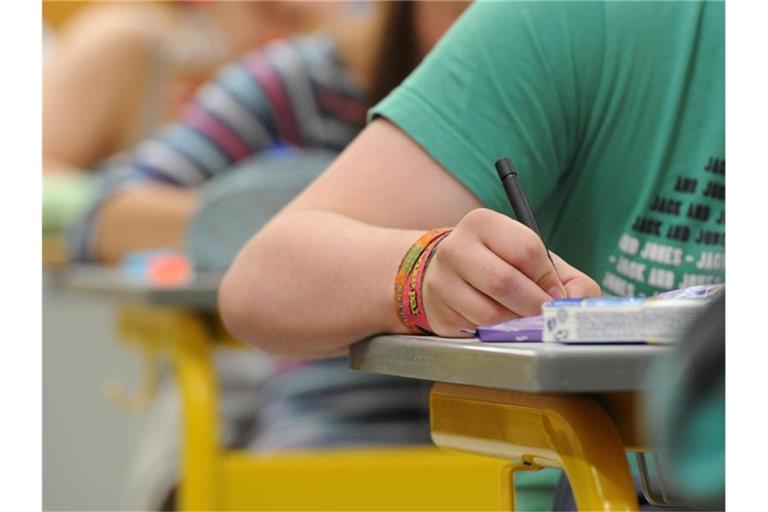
(200, 293)
(534, 404)
(181, 323)
(177, 322)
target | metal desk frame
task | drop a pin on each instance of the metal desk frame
(532, 404)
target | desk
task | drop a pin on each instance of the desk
(200, 293)
(534, 404)
(177, 322)
(181, 323)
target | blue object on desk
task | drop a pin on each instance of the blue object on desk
(135, 265)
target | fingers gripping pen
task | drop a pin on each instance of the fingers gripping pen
(516, 196)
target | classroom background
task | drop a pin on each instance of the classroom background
(165, 394)
(98, 425)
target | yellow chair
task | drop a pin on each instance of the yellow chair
(401, 478)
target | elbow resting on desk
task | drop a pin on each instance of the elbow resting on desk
(287, 294)
(256, 310)
(248, 319)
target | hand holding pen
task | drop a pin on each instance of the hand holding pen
(492, 268)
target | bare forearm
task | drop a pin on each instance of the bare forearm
(96, 84)
(143, 218)
(313, 282)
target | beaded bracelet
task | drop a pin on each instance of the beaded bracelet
(408, 280)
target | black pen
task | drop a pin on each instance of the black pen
(516, 196)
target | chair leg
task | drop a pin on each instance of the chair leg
(194, 372)
(184, 337)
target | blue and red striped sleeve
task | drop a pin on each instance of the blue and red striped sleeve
(294, 92)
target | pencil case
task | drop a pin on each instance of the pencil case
(657, 319)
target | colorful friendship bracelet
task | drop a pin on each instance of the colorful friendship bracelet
(413, 298)
(408, 301)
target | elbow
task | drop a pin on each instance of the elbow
(261, 304)
(244, 314)
(250, 318)
(236, 307)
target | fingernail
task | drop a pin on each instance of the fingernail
(556, 293)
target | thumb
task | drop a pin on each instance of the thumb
(550, 282)
(577, 283)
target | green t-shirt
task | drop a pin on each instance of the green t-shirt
(614, 114)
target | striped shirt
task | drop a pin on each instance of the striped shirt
(295, 92)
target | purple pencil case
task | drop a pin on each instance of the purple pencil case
(522, 329)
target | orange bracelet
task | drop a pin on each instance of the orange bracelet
(408, 303)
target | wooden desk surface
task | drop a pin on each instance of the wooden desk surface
(530, 367)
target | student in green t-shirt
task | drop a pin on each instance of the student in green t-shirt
(614, 115)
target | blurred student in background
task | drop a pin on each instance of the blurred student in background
(306, 92)
(118, 70)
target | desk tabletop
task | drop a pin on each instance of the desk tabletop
(200, 293)
(532, 367)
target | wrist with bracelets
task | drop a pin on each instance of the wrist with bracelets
(409, 301)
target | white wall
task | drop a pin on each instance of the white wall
(87, 441)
